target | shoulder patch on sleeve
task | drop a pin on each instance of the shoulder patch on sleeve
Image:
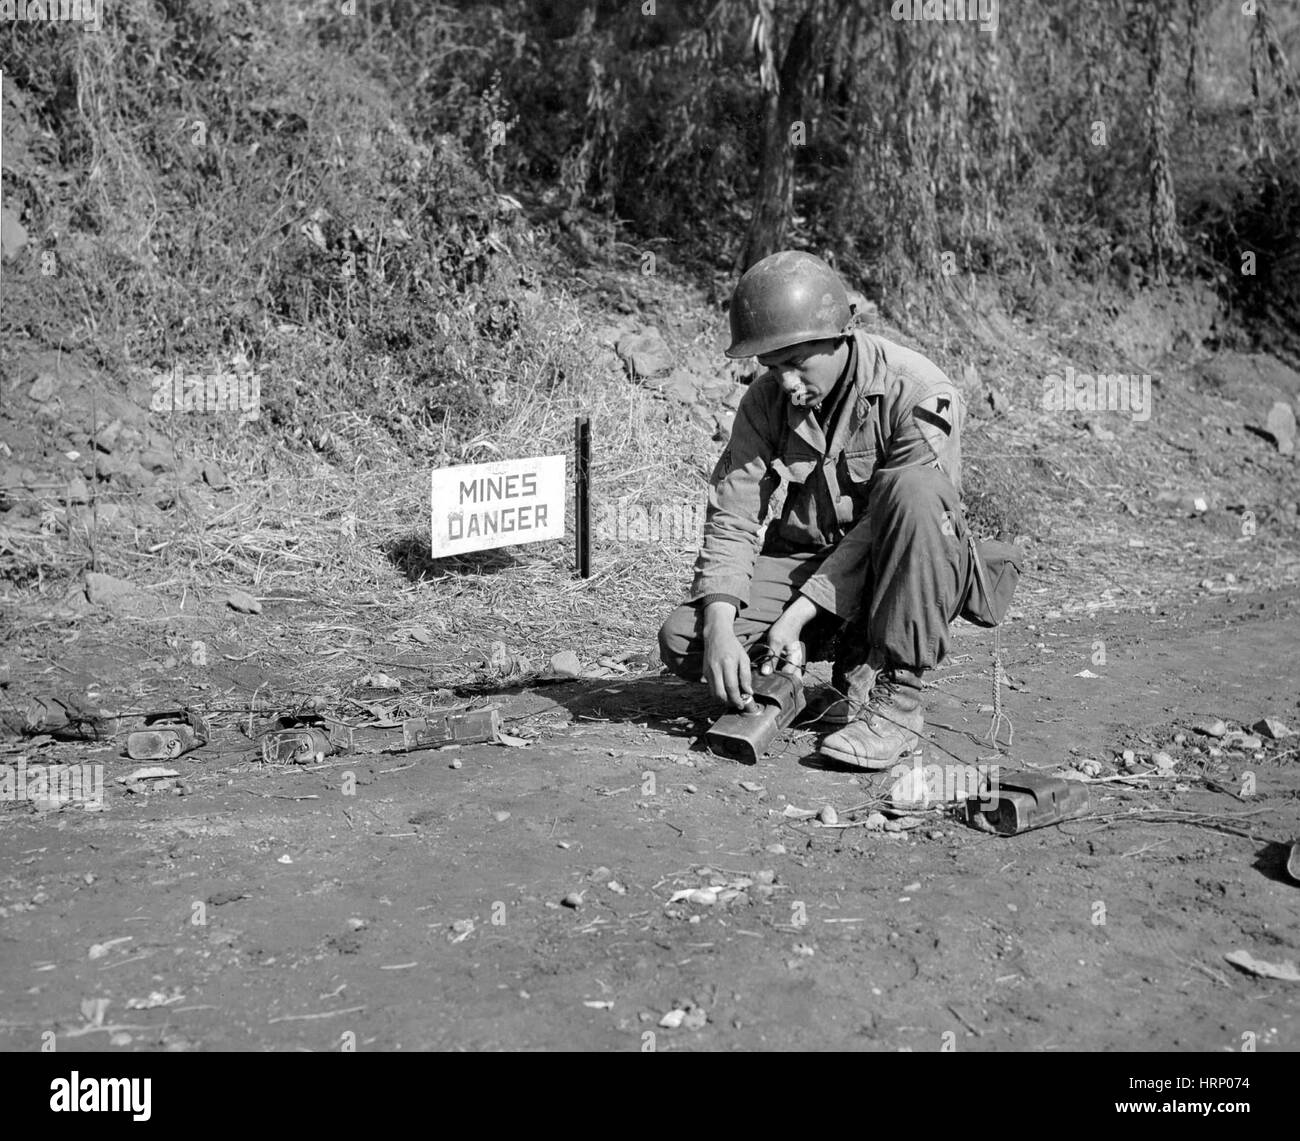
(934, 417)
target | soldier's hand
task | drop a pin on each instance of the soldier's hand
(785, 652)
(726, 668)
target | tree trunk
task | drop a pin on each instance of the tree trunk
(1167, 246)
(913, 235)
(783, 108)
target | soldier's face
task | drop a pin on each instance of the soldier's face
(808, 371)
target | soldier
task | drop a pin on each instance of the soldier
(870, 554)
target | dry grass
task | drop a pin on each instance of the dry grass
(357, 538)
(333, 510)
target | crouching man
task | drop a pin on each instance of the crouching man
(868, 563)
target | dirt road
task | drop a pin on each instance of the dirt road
(396, 902)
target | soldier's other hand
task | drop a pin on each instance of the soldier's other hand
(726, 669)
(784, 650)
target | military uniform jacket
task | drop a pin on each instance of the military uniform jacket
(900, 411)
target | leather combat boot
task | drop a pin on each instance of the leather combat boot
(884, 728)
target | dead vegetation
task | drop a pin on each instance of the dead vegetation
(403, 313)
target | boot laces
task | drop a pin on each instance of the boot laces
(885, 694)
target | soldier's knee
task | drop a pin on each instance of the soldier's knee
(676, 638)
(907, 489)
(920, 480)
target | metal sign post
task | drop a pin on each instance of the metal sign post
(582, 495)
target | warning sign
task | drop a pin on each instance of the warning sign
(477, 507)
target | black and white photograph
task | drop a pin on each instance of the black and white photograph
(641, 526)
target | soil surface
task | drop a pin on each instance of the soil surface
(392, 901)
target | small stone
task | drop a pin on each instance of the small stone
(573, 899)
(76, 491)
(750, 786)
(1164, 762)
(105, 590)
(828, 815)
(875, 822)
(566, 664)
(691, 788)
(43, 387)
(935, 834)
(1129, 757)
(1272, 728)
(13, 234)
(501, 817)
(1180, 739)
(455, 764)
(157, 460)
(695, 1019)
(775, 849)
(356, 924)
(106, 438)
(766, 876)
(214, 477)
(913, 886)
(1210, 726)
(1281, 426)
(646, 352)
(243, 602)
(616, 887)
(673, 1019)
(1230, 578)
